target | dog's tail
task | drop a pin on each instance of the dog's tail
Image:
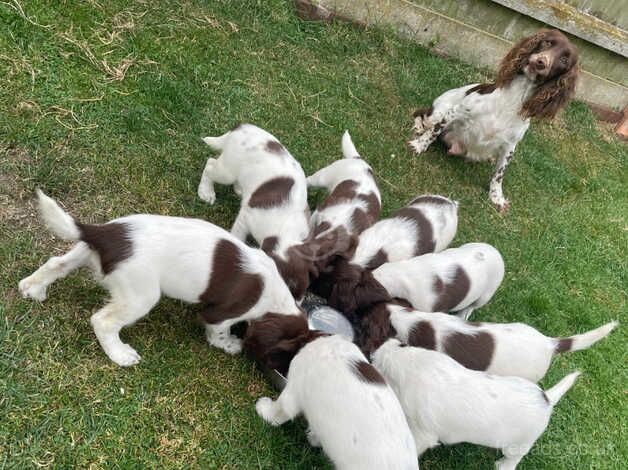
(348, 149)
(56, 219)
(216, 143)
(585, 340)
(555, 393)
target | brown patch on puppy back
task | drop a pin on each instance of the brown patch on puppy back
(367, 373)
(343, 192)
(111, 241)
(322, 227)
(273, 193)
(275, 147)
(377, 260)
(425, 233)
(231, 291)
(422, 335)
(482, 89)
(563, 345)
(474, 351)
(452, 293)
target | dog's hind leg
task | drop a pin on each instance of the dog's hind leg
(57, 267)
(427, 128)
(127, 306)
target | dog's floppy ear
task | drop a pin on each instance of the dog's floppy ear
(375, 328)
(280, 356)
(552, 96)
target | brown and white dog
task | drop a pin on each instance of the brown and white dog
(353, 204)
(351, 412)
(428, 224)
(447, 403)
(141, 257)
(455, 280)
(536, 79)
(510, 349)
(274, 208)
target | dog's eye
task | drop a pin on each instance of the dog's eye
(546, 44)
(564, 59)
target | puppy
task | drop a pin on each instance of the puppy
(428, 224)
(445, 402)
(454, 280)
(536, 79)
(353, 205)
(511, 349)
(140, 257)
(352, 413)
(274, 208)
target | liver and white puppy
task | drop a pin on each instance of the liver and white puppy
(510, 349)
(445, 402)
(352, 413)
(140, 257)
(274, 208)
(454, 280)
(352, 206)
(428, 224)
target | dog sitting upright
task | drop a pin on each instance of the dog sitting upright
(274, 208)
(351, 412)
(141, 257)
(481, 122)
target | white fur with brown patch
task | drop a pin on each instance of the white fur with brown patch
(359, 423)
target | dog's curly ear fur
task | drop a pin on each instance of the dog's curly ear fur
(552, 96)
(355, 289)
(516, 58)
(374, 329)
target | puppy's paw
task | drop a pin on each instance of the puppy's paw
(29, 287)
(206, 194)
(265, 410)
(417, 146)
(124, 356)
(232, 345)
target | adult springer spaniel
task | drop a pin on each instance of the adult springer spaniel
(480, 122)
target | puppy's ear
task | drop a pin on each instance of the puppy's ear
(552, 96)
(375, 328)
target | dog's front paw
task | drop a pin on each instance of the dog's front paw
(29, 287)
(264, 408)
(417, 146)
(502, 206)
(206, 194)
(124, 356)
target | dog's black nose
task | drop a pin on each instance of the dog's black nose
(540, 63)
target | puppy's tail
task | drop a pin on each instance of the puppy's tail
(348, 149)
(56, 219)
(555, 393)
(585, 340)
(216, 143)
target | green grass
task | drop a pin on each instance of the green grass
(108, 141)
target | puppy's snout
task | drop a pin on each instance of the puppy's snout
(539, 63)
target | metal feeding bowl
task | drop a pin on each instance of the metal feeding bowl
(320, 317)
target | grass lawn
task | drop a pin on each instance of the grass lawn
(103, 104)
